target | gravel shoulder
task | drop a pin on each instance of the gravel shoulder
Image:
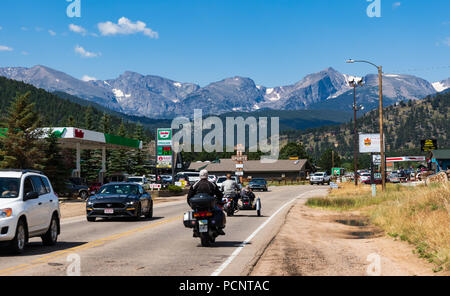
(317, 242)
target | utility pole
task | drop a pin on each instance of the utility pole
(380, 78)
(354, 84)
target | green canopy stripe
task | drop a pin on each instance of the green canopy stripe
(117, 140)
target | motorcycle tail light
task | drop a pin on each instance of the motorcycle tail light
(203, 214)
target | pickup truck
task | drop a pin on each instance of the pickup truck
(320, 178)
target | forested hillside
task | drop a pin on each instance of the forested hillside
(57, 111)
(405, 125)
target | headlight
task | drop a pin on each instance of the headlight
(90, 203)
(5, 213)
(131, 202)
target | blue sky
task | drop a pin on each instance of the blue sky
(202, 41)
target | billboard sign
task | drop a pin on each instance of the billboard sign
(428, 145)
(164, 150)
(369, 143)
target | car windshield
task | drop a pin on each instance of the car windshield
(135, 180)
(318, 174)
(259, 181)
(9, 187)
(119, 189)
(221, 180)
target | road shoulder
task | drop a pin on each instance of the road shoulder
(319, 242)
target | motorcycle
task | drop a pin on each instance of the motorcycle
(201, 219)
(230, 204)
(246, 204)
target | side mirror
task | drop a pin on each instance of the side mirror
(31, 195)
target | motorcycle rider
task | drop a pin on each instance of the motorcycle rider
(207, 187)
(248, 192)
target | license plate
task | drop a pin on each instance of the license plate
(203, 225)
(109, 211)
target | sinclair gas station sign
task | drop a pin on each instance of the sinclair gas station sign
(164, 150)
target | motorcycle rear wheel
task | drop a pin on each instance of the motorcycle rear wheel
(205, 239)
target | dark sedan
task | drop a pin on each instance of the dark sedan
(121, 200)
(258, 184)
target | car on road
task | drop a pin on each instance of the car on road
(320, 178)
(258, 184)
(28, 208)
(120, 200)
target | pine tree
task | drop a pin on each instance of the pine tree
(70, 121)
(117, 163)
(138, 156)
(22, 146)
(54, 165)
(91, 159)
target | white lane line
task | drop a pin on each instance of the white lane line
(243, 244)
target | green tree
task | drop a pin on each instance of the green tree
(117, 163)
(326, 160)
(22, 146)
(91, 159)
(54, 164)
(138, 156)
(294, 149)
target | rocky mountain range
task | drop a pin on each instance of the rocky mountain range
(158, 97)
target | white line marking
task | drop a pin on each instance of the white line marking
(242, 245)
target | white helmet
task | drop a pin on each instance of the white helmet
(203, 174)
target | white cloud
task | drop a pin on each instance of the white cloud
(25, 53)
(447, 41)
(5, 48)
(51, 32)
(396, 5)
(87, 78)
(77, 29)
(84, 53)
(126, 27)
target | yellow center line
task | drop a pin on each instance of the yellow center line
(83, 247)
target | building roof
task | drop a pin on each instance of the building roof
(252, 166)
(441, 154)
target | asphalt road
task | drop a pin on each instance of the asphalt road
(159, 246)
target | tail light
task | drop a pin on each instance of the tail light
(203, 214)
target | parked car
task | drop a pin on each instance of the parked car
(320, 178)
(128, 200)
(141, 180)
(94, 188)
(28, 208)
(394, 178)
(166, 179)
(212, 178)
(368, 179)
(76, 190)
(193, 177)
(364, 178)
(258, 184)
(222, 179)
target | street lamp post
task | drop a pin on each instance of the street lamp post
(380, 78)
(353, 83)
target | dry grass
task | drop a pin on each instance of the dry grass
(419, 215)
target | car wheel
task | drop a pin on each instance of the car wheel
(50, 238)
(138, 213)
(150, 212)
(84, 195)
(91, 219)
(17, 245)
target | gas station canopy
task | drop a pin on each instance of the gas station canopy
(69, 137)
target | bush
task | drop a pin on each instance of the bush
(174, 189)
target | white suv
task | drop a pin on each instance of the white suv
(320, 178)
(28, 208)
